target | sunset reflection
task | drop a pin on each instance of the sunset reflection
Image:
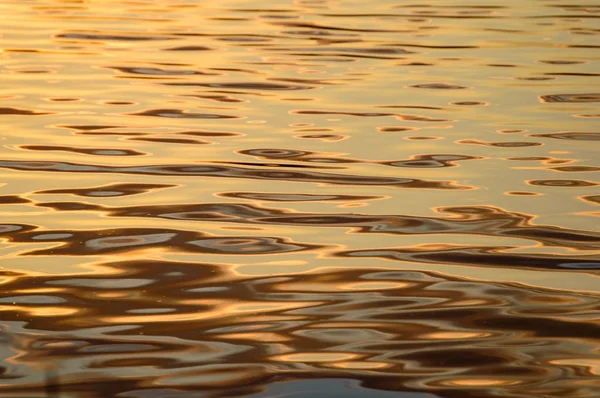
(299, 199)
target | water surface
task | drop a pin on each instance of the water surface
(299, 199)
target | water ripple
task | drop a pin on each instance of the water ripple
(83, 243)
(390, 330)
(485, 221)
(299, 269)
(233, 172)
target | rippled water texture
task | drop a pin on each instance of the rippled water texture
(299, 199)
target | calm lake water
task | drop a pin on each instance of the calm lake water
(299, 199)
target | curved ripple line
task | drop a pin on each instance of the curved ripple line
(233, 172)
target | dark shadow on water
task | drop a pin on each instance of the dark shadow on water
(331, 388)
(315, 388)
(52, 386)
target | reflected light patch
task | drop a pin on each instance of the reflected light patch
(316, 357)
(479, 382)
(360, 365)
(456, 335)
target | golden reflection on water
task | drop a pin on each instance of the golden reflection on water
(299, 198)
